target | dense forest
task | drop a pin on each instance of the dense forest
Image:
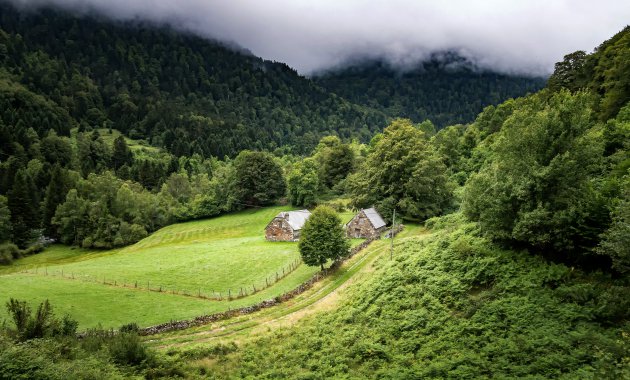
(109, 132)
(175, 90)
(69, 84)
(446, 88)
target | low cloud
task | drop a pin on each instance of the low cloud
(525, 37)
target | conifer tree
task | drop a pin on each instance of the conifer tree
(24, 208)
(5, 220)
(55, 195)
(121, 154)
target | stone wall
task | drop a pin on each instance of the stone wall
(206, 319)
(361, 228)
(279, 230)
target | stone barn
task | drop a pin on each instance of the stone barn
(366, 224)
(286, 226)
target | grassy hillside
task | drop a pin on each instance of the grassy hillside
(451, 306)
(207, 257)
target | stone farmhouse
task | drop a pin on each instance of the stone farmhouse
(366, 224)
(286, 226)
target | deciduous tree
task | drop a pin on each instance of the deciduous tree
(322, 238)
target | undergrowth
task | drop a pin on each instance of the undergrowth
(453, 306)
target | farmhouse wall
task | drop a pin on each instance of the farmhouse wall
(360, 227)
(280, 230)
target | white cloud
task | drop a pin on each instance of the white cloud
(526, 36)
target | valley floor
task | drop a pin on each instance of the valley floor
(180, 272)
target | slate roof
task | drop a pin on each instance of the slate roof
(374, 217)
(296, 219)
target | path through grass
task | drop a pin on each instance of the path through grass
(247, 326)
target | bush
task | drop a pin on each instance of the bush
(126, 348)
(8, 253)
(33, 249)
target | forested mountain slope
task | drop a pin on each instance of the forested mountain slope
(603, 72)
(182, 92)
(446, 89)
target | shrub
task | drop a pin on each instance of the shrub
(8, 253)
(127, 349)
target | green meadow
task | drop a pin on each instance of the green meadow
(160, 278)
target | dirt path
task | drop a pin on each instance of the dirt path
(324, 296)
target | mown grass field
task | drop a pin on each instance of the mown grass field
(208, 257)
(320, 298)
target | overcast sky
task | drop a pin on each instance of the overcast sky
(524, 36)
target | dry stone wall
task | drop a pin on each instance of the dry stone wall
(207, 319)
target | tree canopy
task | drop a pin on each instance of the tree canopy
(322, 238)
(402, 171)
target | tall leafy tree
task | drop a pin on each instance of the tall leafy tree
(303, 183)
(538, 184)
(259, 179)
(56, 150)
(402, 171)
(323, 238)
(335, 159)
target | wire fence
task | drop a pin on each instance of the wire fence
(155, 286)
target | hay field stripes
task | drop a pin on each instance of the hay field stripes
(245, 327)
(189, 262)
(241, 292)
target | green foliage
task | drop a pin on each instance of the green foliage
(323, 238)
(8, 253)
(121, 154)
(104, 211)
(335, 160)
(615, 241)
(605, 72)
(402, 171)
(5, 220)
(22, 202)
(303, 183)
(202, 97)
(540, 184)
(456, 306)
(258, 178)
(42, 324)
(60, 183)
(49, 349)
(446, 90)
(56, 150)
(126, 348)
